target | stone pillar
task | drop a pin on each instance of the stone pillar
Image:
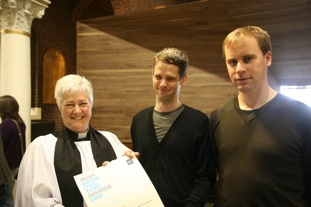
(15, 25)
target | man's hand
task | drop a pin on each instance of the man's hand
(128, 153)
(131, 154)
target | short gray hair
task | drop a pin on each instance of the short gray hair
(72, 84)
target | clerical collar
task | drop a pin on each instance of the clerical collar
(78, 136)
(82, 135)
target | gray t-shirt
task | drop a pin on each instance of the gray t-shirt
(163, 121)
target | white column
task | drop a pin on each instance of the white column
(15, 72)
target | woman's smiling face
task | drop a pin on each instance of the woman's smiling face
(76, 112)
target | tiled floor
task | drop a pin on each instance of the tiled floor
(209, 205)
(210, 201)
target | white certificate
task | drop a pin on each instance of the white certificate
(122, 183)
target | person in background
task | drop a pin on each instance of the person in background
(173, 138)
(263, 138)
(12, 130)
(50, 162)
(5, 174)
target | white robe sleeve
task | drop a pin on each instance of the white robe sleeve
(37, 184)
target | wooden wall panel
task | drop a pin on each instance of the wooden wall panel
(116, 53)
(120, 72)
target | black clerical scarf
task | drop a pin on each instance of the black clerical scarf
(67, 161)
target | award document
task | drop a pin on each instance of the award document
(122, 183)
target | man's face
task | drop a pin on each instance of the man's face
(166, 81)
(246, 64)
(76, 111)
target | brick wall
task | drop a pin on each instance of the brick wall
(55, 30)
(132, 6)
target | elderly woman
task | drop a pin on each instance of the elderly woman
(50, 162)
